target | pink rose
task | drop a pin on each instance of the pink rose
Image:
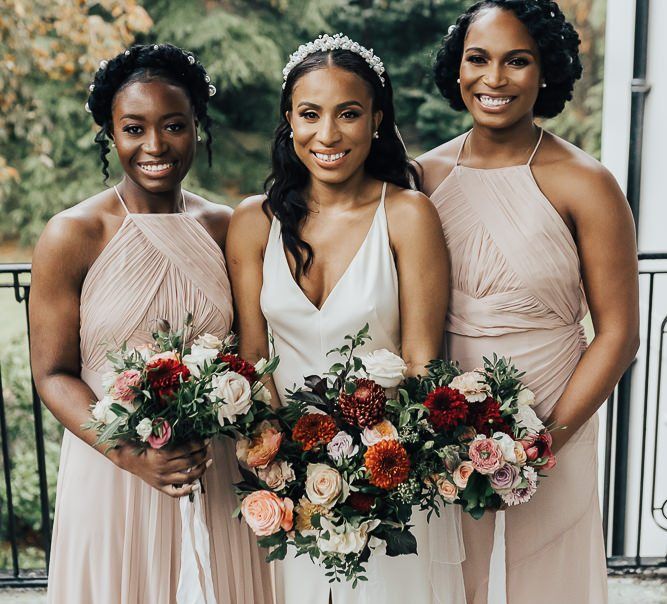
(264, 447)
(266, 513)
(161, 433)
(538, 448)
(462, 473)
(122, 389)
(485, 454)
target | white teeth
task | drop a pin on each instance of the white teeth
(332, 157)
(156, 167)
(489, 101)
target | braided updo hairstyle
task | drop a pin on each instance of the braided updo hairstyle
(556, 39)
(144, 63)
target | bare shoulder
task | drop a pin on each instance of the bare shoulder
(435, 165)
(410, 214)
(251, 223)
(215, 217)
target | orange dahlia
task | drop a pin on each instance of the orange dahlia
(314, 429)
(387, 463)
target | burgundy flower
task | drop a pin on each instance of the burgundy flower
(362, 502)
(538, 446)
(164, 374)
(485, 417)
(240, 366)
(447, 407)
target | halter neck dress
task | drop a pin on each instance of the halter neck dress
(367, 292)
(517, 291)
(116, 540)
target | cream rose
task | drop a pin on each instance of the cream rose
(266, 513)
(262, 393)
(208, 341)
(520, 453)
(383, 430)
(324, 485)
(198, 357)
(341, 446)
(345, 539)
(144, 429)
(462, 473)
(525, 397)
(384, 367)
(233, 392)
(472, 386)
(102, 411)
(525, 417)
(276, 475)
(506, 444)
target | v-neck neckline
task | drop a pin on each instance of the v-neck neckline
(347, 269)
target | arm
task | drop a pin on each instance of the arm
(246, 240)
(606, 243)
(60, 262)
(422, 264)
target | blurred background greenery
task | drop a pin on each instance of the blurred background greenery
(50, 49)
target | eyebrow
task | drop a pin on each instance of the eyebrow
(340, 106)
(516, 51)
(132, 116)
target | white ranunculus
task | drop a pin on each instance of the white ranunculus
(384, 367)
(525, 397)
(342, 445)
(232, 391)
(102, 411)
(383, 430)
(471, 385)
(208, 341)
(199, 355)
(276, 475)
(525, 417)
(344, 539)
(506, 444)
(324, 485)
(144, 429)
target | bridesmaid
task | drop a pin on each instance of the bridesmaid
(538, 232)
(339, 241)
(103, 272)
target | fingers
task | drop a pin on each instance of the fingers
(185, 451)
(189, 475)
(176, 491)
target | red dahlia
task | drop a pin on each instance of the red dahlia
(365, 407)
(240, 366)
(164, 376)
(362, 502)
(485, 417)
(314, 429)
(447, 407)
(387, 463)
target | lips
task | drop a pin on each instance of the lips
(494, 102)
(157, 168)
(329, 159)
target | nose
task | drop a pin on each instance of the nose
(495, 76)
(328, 133)
(153, 142)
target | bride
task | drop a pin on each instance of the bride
(337, 241)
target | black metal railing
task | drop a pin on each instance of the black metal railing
(624, 527)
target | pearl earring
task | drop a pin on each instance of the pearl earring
(376, 134)
(291, 134)
(458, 80)
(113, 144)
(543, 85)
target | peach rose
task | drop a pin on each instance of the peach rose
(264, 446)
(462, 473)
(446, 488)
(383, 430)
(485, 454)
(520, 453)
(266, 513)
(122, 389)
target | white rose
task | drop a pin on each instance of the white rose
(342, 445)
(324, 485)
(472, 386)
(506, 443)
(525, 397)
(233, 392)
(383, 430)
(525, 417)
(344, 539)
(262, 394)
(276, 475)
(197, 357)
(144, 429)
(102, 411)
(384, 367)
(208, 341)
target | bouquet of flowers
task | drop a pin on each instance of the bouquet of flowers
(167, 394)
(487, 446)
(333, 473)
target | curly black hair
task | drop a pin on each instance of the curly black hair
(557, 40)
(143, 63)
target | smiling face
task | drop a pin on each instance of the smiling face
(500, 69)
(155, 133)
(333, 123)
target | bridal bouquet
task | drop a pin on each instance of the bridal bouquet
(487, 444)
(334, 473)
(167, 394)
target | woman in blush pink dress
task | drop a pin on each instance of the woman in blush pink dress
(538, 232)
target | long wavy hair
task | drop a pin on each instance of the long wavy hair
(387, 160)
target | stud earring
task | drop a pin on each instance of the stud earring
(543, 85)
(376, 134)
(199, 138)
(291, 134)
(113, 144)
(458, 80)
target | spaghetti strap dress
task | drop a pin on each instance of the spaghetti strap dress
(517, 291)
(116, 540)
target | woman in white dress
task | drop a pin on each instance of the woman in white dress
(338, 241)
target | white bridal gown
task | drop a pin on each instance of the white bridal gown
(303, 334)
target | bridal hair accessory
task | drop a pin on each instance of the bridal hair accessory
(327, 43)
